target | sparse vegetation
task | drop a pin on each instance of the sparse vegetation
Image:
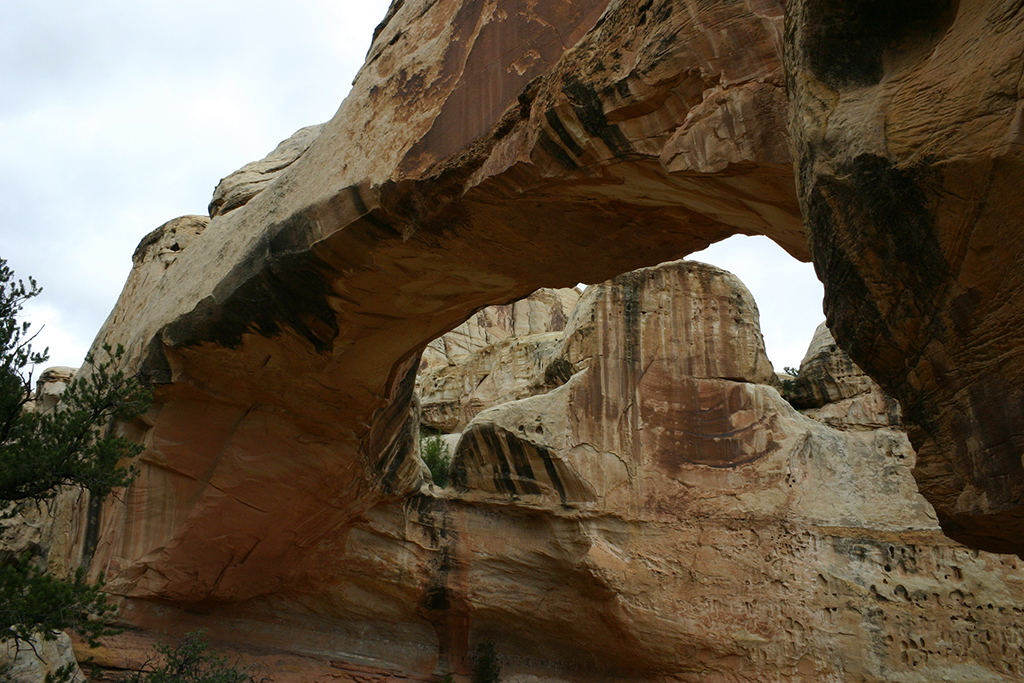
(486, 665)
(43, 451)
(434, 452)
(192, 662)
(788, 384)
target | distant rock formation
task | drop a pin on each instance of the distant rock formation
(832, 389)
(468, 369)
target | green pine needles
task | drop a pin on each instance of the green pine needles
(41, 452)
(486, 665)
(434, 452)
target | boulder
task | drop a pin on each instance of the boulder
(247, 182)
(36, 661)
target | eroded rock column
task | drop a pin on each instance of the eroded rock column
(908, 126)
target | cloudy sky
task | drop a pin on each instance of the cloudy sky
(119, 115)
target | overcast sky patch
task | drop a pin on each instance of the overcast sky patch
(118, 116)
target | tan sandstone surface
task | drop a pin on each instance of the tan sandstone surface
(908, 128)
(469, 369)
(622, 134)
(661, 515)
(283, 341)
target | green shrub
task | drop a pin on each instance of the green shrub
(192, 662)
(434, 452)
(486, 667)
(788, 384)
(43, 451)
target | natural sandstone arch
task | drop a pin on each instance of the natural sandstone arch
(485, 150)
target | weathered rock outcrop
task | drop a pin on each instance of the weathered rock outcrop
(908, 127)
(470, 369)
(743, 532)
(51, 384)
(545, 310)
(247, 182)
(827, 374)
(832, 389)
(660, 515)
(34, 662)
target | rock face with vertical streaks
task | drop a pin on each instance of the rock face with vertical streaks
(666, 489)
(908, 128)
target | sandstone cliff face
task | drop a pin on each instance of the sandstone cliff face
(469, 369)
(694, 504)
(280, 481)
(660, 515)
(908, 127)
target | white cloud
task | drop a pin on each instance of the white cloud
(119, 115)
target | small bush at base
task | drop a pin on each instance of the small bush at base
(486, 667)
(192, 662)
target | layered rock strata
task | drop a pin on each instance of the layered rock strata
(908, 127)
